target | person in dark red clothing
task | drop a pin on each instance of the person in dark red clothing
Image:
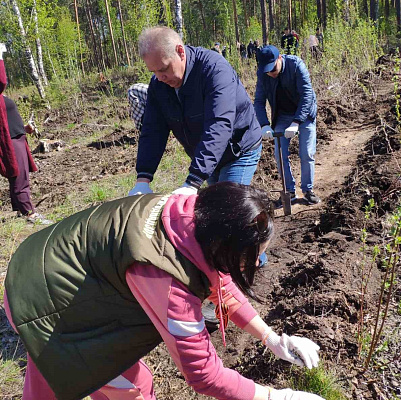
(15, 157)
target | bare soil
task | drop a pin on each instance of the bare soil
(311, 285)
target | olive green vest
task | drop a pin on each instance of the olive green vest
(69, 298)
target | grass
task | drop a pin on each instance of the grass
(173, 169)
(10, 379)
(319, 381)
(12, 233)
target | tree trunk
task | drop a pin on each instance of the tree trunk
(123, 33)
(324, 12)
(294, 24)
(79, 36)
(245, 13)
(28, 52)
(178, 18)
(374, 10)
(387, 10)
(98, 57)
(319, 10)
(236, 21)
(264, 26)
(398, 8)
(111, 32)
(271, 16)
(289, 15)
(200, 5)
(39, 54)
(365, 7)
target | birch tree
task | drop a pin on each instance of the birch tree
(39, 53)
(28, 52)
(123, 32)
(111, 32)
(178, 18)
(79, 36)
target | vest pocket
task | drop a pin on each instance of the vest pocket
(89, 334)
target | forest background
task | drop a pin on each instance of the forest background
(50, 41)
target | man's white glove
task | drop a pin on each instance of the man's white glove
(3, 49)
(186, 189)
(267, 132)
(295, 349)
(292, 130)
(140, 188)
(288, 394)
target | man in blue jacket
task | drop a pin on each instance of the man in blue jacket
(197, 95)
(283, 80)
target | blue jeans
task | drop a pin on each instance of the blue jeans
(307, 150)
(240, 170)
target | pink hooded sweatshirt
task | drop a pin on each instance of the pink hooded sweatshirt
(177, 315)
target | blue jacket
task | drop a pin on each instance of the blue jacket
(296, 82)
(213, 118)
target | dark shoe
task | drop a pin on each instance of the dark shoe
(311, 197)
(211, 322)
(278, 204)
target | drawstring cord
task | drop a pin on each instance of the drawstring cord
(220, 300)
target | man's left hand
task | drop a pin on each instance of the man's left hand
(186, 189)
(292, 130)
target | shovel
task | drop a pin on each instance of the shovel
(284, 195)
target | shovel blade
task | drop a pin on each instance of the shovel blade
(286, 201)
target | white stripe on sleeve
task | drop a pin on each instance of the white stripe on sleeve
(121, 383)
(185, 328)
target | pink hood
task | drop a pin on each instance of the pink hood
(178, 220)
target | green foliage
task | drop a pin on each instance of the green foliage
(254, 31)
(98, 193)
(319, 381)
(397, 95)
(390, 253)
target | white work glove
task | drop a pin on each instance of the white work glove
(140, 188)
(3, 49)
(267, 132)
(295, 349)
(292, 130)
(186, 189)
(288, 394)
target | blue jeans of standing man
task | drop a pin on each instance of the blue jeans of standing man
(307, 150)
(240, 171)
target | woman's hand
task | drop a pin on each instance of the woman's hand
(295, 349)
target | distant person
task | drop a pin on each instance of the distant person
(137, 97)
(250, 49)
(224, 52)
(320, 38)
(94, 294)
(283, 81)
(288, 42)
(242, 49)
(313, 44)
(216, 48)
(256, 49)
(15, 156)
